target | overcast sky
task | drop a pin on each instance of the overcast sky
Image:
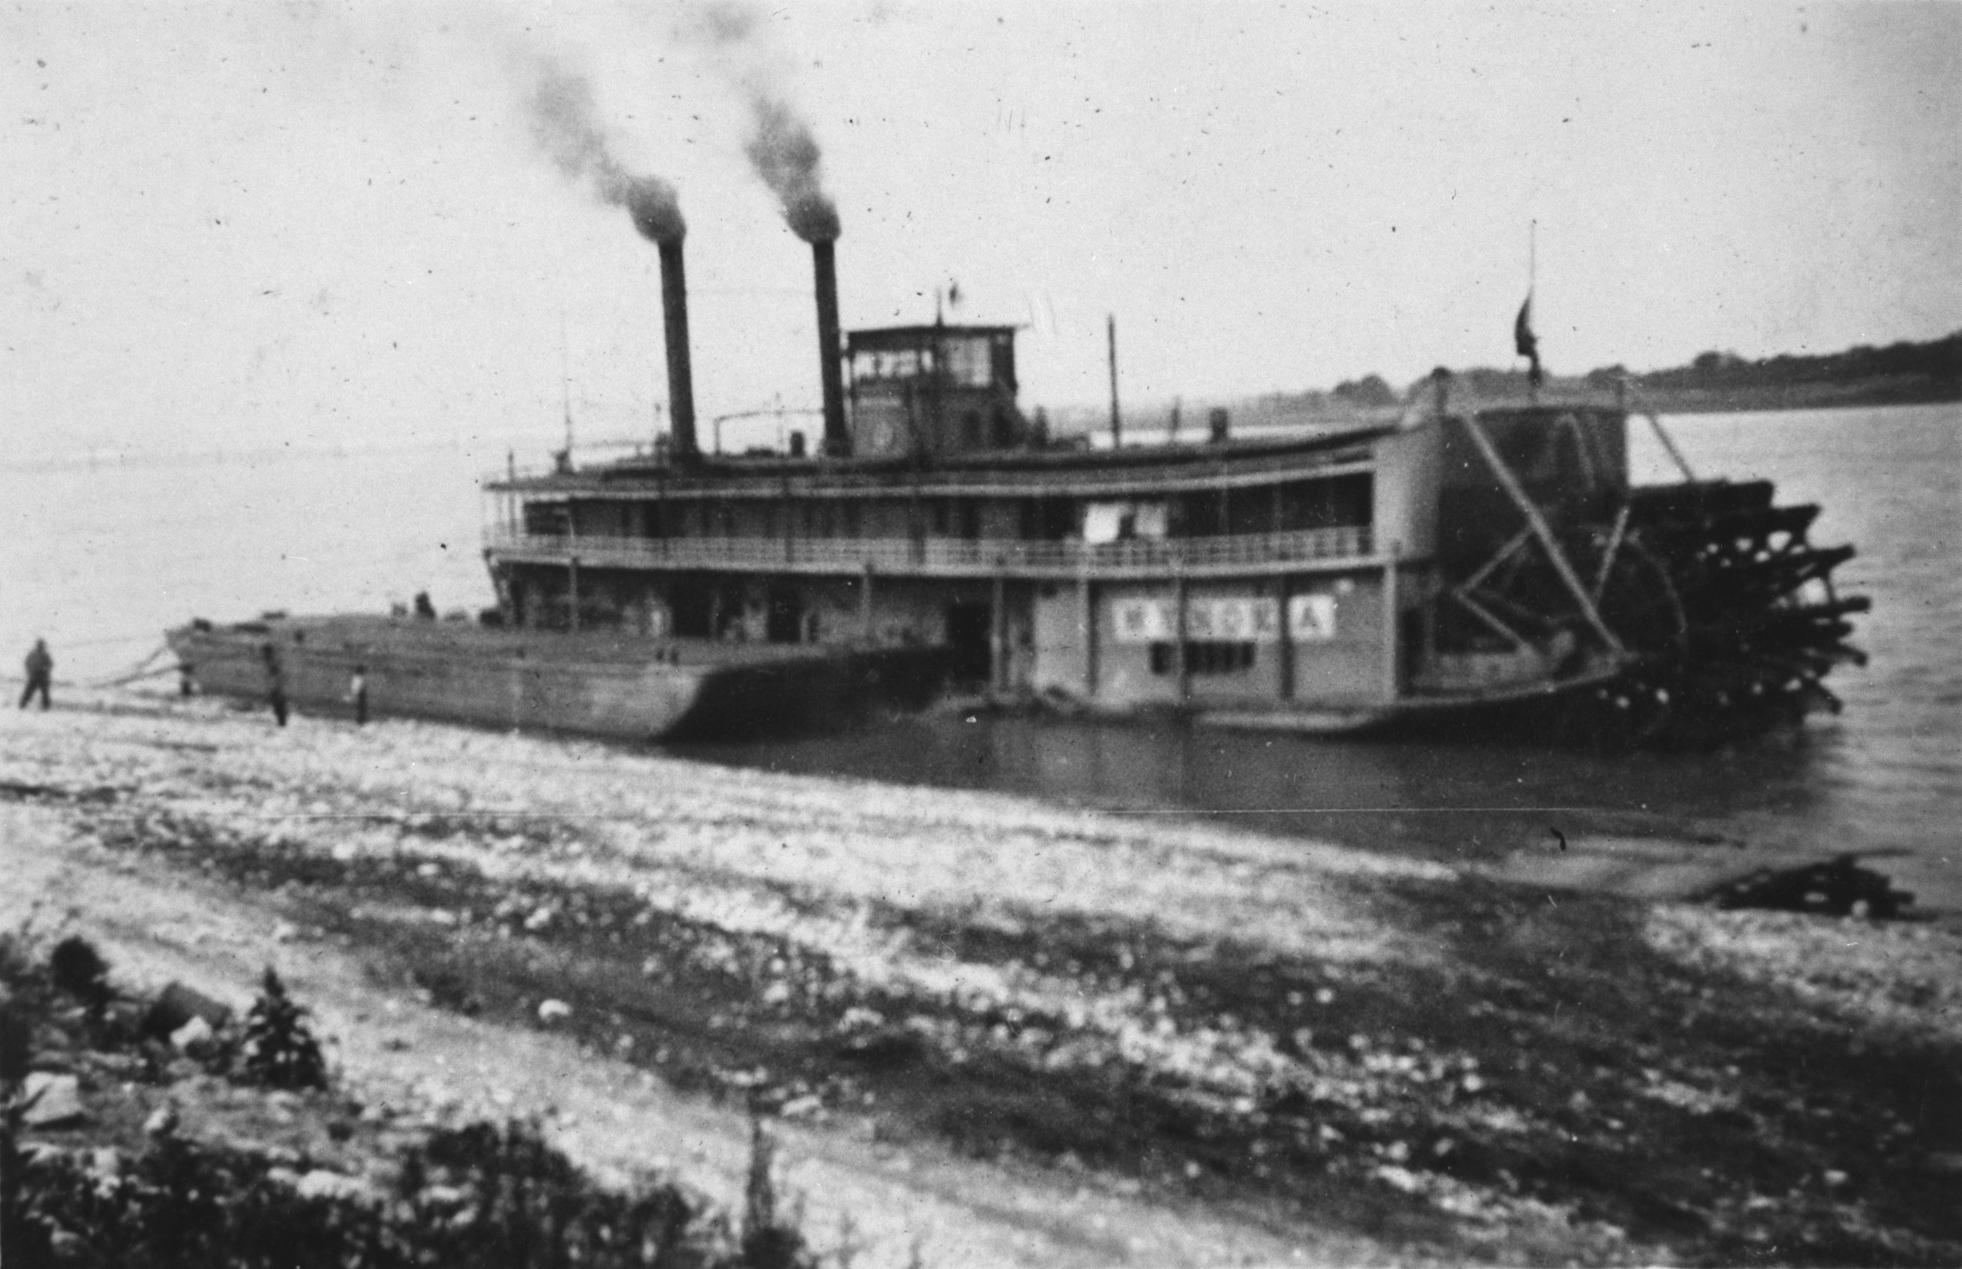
(331, 223)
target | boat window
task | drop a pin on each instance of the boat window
(1205, 657)
(1118, 521)
(551, 519)
(1003, 351)
(891, 363)
(968, 361)
(1327, 502)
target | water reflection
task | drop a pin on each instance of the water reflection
(1452, 802)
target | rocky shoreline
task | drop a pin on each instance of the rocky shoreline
(999, 1032)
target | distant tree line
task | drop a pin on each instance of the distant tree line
(1937, 362)
(1899, 373)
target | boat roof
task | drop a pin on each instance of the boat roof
(908, 336)
(1039, 466)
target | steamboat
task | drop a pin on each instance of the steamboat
(1452, 565)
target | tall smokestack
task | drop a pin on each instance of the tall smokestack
(681, 382)
(565, 124)
(785, 155)
(651, 202)
(824, 266)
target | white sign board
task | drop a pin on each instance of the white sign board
(1311, 618)
(1247, 619)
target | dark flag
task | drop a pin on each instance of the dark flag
(1525, 341)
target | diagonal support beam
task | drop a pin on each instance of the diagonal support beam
(1668, 443)
(1490, 566)
(1614, 548)
(1541, 530)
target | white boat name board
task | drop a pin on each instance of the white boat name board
(1311, 618)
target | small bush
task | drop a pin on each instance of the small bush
(78, 969)
(278, 1048)
(182, 1203)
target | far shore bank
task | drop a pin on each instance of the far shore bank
(1805, 396)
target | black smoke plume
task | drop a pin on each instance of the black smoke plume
(786, 156)
(565, 126)
(780, 146)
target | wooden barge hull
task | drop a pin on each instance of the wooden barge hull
(592, 684)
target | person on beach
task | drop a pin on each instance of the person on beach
(40, 673)
(357, 694)
(275, 683)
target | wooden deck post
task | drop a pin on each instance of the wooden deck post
(998, 635)
(1392, 645)
(1088, 615)
(1180, 666)
(865, 602)
(1286, 644)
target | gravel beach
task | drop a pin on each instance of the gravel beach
(993, 1032)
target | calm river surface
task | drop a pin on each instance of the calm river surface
(101, 559)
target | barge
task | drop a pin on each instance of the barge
(1451, 565)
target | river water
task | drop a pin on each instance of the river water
(100, 559)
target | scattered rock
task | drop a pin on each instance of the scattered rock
(802, 1107)
(324, 1184)
(551, 1011)
(162, 1121)
(177, 1005)
(52, 1100)
(194, 1034)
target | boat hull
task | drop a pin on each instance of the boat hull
(597, 685)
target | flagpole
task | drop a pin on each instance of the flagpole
(1532, 283)
(565, 383)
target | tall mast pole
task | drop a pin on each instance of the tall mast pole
(1116, 418)
(565, 384)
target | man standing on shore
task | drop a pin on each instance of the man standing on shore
(275, 684)
(40, 673)
(357, 694)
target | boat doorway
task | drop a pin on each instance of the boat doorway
(785, 620)
(970, 654)
(691, 609)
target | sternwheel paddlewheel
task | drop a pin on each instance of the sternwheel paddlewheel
(1764, 623)
(1698, 613)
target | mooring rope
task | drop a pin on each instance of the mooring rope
(141, 670)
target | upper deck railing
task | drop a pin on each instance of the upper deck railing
(943, 556)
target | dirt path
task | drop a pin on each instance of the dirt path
(1011, 1034)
